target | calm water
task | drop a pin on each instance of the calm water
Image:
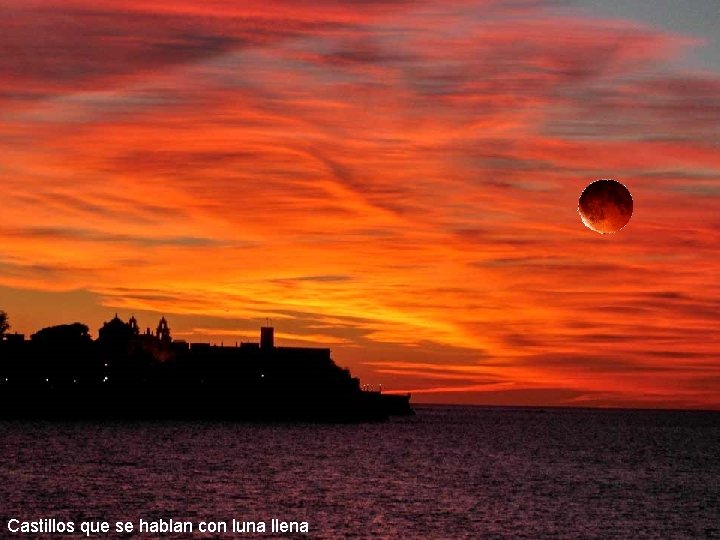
(447, 473)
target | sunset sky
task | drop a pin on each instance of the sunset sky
(395, 180)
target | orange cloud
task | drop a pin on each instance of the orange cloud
(399, 182)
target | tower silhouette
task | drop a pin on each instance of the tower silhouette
(267, 337)
(163, 331)
(133, 324)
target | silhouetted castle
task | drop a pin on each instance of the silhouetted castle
(62, 372)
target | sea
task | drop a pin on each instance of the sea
(448, 472)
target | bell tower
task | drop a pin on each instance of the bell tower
(132, 323)
(163, 331)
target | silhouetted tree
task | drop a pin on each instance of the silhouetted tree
(4, 324)
(65, 353)
(62, 333)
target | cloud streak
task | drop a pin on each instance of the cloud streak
(398, 180)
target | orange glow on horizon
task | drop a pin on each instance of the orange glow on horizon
(397, 182)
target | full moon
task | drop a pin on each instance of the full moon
(605, 206)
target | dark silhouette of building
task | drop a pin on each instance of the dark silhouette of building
(62, 372)
(267, 337)
(163, 331)
(133, 324)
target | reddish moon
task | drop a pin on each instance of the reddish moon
(605, 206)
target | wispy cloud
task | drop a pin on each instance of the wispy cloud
(397, 179)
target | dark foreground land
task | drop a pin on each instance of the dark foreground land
(151, 402)
(61, 373)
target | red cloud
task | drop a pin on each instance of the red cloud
(198, 159)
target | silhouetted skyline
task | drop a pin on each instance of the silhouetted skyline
(396, 180)
(61, 372)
